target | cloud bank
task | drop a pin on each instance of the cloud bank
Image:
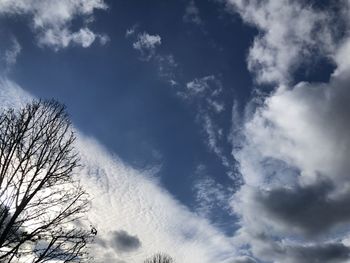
(296, 145)
(127, 199)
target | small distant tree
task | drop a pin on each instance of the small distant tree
(40, 203)
(160, 258)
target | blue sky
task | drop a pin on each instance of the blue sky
(113, 94)
(215, 131)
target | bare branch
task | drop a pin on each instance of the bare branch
(160, 258)
(40, 202)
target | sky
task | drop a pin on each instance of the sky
(212, 130)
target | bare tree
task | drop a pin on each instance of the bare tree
(160, 258)
(40, 203)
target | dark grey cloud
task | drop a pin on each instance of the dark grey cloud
(299, 252)
(330, 253)
(307, 208)
(124, 242)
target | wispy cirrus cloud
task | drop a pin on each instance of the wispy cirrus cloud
(206, 95)
(192, 14)
(207, 91)
(11, 54)
(52, 23)
(209, 194)
(10, 49)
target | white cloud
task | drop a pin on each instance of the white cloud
(214, 137)
(207, 91)
(146, 44)
(128, 201)
(63, 38)
(52, 22)
(12, 95)
(294, 161)
(147, 41)
(291, 33)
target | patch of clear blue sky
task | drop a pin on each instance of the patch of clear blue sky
(123, 102)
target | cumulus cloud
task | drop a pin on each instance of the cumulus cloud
(146, 44)
(309, 209)
(281, 45)
(295, 144)
(298, 146)
(295, 165)
(52, 23)
(128, 199)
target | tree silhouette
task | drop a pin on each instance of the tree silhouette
(160, 258)
(40, 203)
